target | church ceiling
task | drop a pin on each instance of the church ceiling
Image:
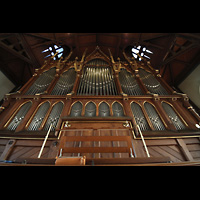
(174, 54)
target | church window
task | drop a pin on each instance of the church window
(143, 51)
(52, 50)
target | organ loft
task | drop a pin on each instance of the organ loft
(97, 110)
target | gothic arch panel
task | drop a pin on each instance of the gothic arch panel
(104, 110)
(139, 117)
(54, 116)
(90, 110)
(19, 116)
(154, 117)
(117, 109)
(76, 109)
(173, 116)
(39, 116)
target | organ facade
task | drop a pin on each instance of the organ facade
(98, 111)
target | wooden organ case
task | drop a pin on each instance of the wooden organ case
(98, 111)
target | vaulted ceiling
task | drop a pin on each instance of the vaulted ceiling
(174, 54)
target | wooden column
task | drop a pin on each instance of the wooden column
(140, 83)
(118, 85)
(128, 112)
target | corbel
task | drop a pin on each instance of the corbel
(155, 97)
(125, 96)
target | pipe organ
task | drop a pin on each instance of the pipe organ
(110, 103)
(97, 79)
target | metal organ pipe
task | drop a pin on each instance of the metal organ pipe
(39, 117)
(154, 117)
(151, 83)
(42, 83)
(54, 116)
(128, 83)
(173, 116)
(139, 117)
(97, 81)
(19, 116)
(65, 83)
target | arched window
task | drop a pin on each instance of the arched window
(54, 116)
(104, 110)
(117, 110)
(19, 116)
(76, 109)
(39, 117)
(128, 83)
(139, 117)
(65, 83)
(90, 110)
(151, 83)
(42, 83)
(173, 116)
(154, 117)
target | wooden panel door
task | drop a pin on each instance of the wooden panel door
(103, 139)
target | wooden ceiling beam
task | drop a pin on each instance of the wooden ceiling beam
(15, 53)
(183, 50)
(28, 50)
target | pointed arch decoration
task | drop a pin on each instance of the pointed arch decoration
(173, 116)
(42, 82)
(54, 116)
(129, 83)
(117, 110)
(90, 110)
(76, 109)
(65, 83)
(19, 116)
(139, 117)
(154, 117)
(39, 117)
(104, 110)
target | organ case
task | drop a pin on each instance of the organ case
(104, 101)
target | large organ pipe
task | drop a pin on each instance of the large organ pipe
(97, 81)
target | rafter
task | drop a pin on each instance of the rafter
(15, 53)
(181, 51)
(28, 50)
